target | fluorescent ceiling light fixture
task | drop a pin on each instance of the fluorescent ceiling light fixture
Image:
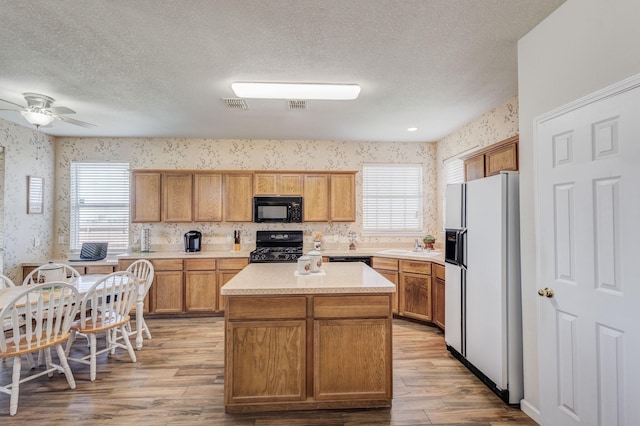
(321, 91)
(37, 118)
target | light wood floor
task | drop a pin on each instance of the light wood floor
(178, 380)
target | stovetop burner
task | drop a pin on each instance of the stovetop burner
(277, 246)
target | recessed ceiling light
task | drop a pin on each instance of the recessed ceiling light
(412, 129)
(321, 91)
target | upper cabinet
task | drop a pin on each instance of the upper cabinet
(277, 184)
(343, 197)
(214, 196)
(145, 197)
(207, 197)
(316, 198)
(238, 197)
(502, 156)
(177, 197)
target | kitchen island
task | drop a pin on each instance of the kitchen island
(305, 342)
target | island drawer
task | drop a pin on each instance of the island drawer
(351, 306)
(384, 263)
(266, 308)
(415, 266)
(167, 264)
(199, 264)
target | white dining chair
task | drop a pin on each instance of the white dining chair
(105, 309)
(51, 271)
(143, 270)
(47, 310)
(5, 282)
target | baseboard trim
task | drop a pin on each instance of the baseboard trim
(530, 410)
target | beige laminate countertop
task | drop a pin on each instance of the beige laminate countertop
(281, 278)
(435, 256)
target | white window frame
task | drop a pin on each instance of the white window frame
(93, 181)
(392, 194)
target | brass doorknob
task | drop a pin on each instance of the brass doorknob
(545, 292)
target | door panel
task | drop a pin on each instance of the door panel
(588, 160)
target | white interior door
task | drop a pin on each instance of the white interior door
(588, 202)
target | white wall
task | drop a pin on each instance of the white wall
(583, 46)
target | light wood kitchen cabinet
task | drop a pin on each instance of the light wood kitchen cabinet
(415, 289)
(207, 197)
(438, 295)
(200, 285)
(227, 269)
(273, 330)
(167, 293)
(289, 184)
(238, 197)
(177, 197)
(474, 168)
(501, 156)
(363, 325)
(323, 351)
(343, 198)
(388, 268)
(316, 197)
(145, 197)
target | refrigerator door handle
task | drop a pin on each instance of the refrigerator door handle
(460, 248)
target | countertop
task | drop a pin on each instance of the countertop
(434, 256)
(281, 278)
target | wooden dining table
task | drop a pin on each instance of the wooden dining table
(83, 283)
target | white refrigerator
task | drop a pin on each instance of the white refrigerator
(483, 314)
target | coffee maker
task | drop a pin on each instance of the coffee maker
(192, 241)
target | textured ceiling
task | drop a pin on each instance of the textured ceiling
(159, 68)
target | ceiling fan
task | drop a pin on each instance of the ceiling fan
(40, 112)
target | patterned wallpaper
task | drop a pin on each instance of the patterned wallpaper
(26, 152)
(158, 153)
(493, 126)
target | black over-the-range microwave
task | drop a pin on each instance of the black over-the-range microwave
(277, 209)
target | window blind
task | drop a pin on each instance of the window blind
(99, 204)
(454, 171)
(392, 199)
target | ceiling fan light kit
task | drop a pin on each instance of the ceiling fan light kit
(37, 118)
(40, 112)
(314, 91)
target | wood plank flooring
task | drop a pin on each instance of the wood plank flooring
(179, 376)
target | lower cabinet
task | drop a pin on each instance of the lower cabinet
(307, 352)
(388, 268)
(188, 286)
(438, 295)
(200, 286)
(415, 289)
(167, 290)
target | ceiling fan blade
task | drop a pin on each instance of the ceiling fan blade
(61, 110)
(13, 103)
(7, 109)
(76, 122)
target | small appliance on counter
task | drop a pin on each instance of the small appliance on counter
(192, 241)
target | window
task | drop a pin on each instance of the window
(453, 173)
(99, 204)
(392, 199)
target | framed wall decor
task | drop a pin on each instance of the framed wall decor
(35, 195)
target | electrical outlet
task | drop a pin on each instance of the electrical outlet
(36, 242)
(61, 239)
(335, 238)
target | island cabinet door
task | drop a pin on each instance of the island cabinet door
(352, 359)
(265, 361)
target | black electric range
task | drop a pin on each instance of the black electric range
(277, 246)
